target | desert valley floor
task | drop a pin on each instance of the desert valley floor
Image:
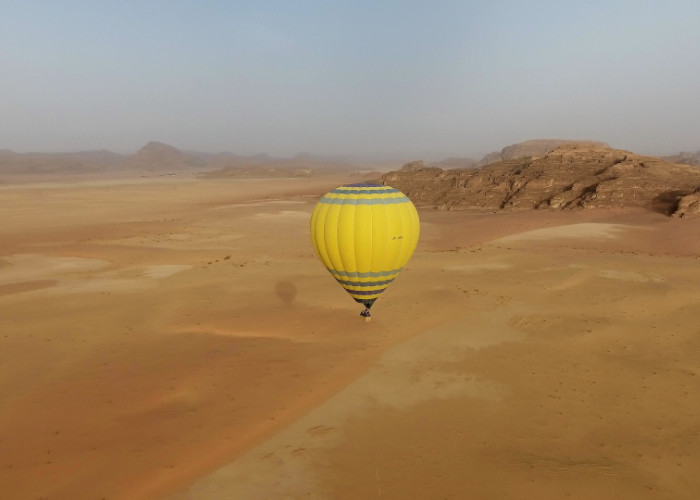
(178, 338)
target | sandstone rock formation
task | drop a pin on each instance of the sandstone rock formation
(688, 205)
(568, 177)
(413, 166)
(534, 148)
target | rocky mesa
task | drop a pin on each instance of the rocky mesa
(533, 148)
(570, 176)
(685, 158)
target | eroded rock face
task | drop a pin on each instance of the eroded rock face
(413, 166)
(688, 205)
(536, 147)
(568, 177)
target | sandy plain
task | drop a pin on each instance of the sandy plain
(177, 338)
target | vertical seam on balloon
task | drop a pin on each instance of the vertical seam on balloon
(387, 262)
(404, 240)
(354, 235)
(371, 238)
(323, 234)
(397, 262)
(337, 235)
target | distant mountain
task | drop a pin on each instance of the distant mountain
(157, 156)
(310, 157)
(297, 167)
(59, 163)
(157, 150)
(684, 158)
(571, 176)
(160, 158)
(455, 163)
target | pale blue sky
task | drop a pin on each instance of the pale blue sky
(406, 78)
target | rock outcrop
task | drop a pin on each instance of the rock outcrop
(534, 148)
(688, 205)
(568, 177)
(413, 166)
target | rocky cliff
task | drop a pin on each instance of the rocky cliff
(688, 205)
(534, 148)
(571, 176)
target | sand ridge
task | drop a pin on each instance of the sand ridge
(584, 230)
(79, 275)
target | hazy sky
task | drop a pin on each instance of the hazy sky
(405, 77)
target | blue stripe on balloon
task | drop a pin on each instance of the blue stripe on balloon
(363, 185)
(364, 201)
(364, 283)
(355, 274)
(365, 191)
(368, 292)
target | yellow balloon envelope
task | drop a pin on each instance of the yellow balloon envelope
(365, 234)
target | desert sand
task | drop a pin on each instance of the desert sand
(178, 338)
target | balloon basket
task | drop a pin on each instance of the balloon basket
(368, 319)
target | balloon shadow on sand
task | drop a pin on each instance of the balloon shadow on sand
(286, 291)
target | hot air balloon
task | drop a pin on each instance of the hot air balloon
(364, 234)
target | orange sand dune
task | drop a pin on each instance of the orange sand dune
(178, 338)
